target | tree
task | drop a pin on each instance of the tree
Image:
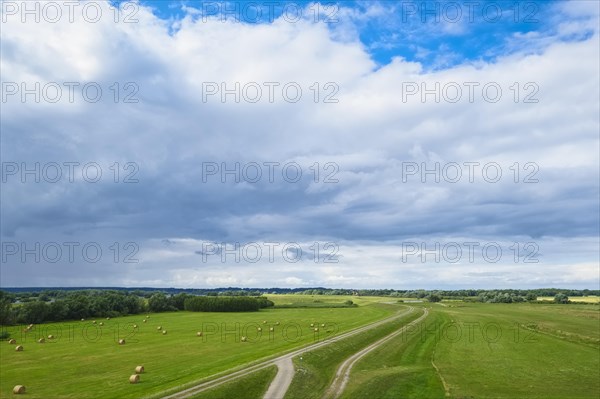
(434, 298)
(5, 308)
(561, 298)
(159, 303)
(531, 296)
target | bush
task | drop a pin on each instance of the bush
(348, 302)
(4, 335)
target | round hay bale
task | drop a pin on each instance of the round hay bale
(94, 322)
(243, 339)
(144, 320)
(30, 326)
(101, 324)
(82, 319)
(121, 342)
(19, 348)
(108, 318)
(50, 336)
(271, 329)
(259, 329)
(134, 379)
(12, 341)
(41, 340)
(159, 328)
(135, 326)
(312, 324)
(316, 329)
(19, 389)
(164, 332)
(277, 323)
(322, 325)
(199, 334)
(264, 322)
(139, 369)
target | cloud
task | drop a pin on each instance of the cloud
(356, 155)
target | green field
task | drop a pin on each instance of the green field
(87, 362)
(461, 350)
(488, 351)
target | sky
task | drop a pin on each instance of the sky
(375, 144)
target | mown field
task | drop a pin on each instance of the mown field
(461, 350)
(85, 361)
(488, 351)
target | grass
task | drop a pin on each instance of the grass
(87, 361)
(529, 351)
(252, 386)
(400, 368)
(315, 369)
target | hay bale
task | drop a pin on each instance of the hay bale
(164, 332)
(82, 319)
(121, 342)
(277, 323)
(50, 336)
(259, 329)
(144, 320)
(264, 322)
(94, 322)
(19, 348)
(108, 318)
(135, 326)
(134, 379)
(271, 329)
(312, 324)
(243, 339)
(316, 329)
(199, 334)
(19, 389)
(41, 341)
(159, 328)
(101, 324)
(322, 325)
(12, 341)
(139, 369)
(30, 326)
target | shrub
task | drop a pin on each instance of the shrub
(221, 304)
(4, 335)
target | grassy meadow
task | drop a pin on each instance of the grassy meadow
(85, 361)
(461, 350)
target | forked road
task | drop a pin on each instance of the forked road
(343, 372)
(285, 372)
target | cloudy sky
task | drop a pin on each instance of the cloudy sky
(297, 144)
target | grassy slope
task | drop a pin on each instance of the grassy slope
(91, 368)
(317, 368)
(401, 368)
(252, 386)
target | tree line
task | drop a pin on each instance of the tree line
(226, 304)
